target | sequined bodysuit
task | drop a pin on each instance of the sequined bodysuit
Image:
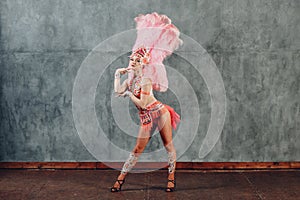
(149, 115)
(135, 87)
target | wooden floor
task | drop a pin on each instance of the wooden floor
(191, 184)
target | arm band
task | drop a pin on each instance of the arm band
(145, 93)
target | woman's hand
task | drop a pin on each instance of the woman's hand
(121, 71)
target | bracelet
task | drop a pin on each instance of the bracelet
(117, 75)
(145, 93)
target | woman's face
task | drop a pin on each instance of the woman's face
(135, 62)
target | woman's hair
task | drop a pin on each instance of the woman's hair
(143, 54)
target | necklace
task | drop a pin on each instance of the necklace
(136, 83)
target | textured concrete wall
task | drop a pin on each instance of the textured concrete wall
(255, 45)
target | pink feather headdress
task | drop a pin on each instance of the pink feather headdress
(156, 39)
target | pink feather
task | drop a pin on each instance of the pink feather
(161, 38)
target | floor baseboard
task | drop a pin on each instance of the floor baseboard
(152, 165)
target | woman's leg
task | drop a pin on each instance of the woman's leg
(165, 129)
(141, 142)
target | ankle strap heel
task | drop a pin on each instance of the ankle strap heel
(171, 189)
(117, 189)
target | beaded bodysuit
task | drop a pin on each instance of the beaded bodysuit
(150, 114)
(135, 87)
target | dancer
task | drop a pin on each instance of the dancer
(156, 39)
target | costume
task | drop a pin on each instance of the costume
(150, 114)
(156, 39)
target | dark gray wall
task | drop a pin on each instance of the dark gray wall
(254, 43)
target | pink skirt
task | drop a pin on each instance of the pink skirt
(149, 116)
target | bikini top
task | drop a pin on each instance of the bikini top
(135, 87)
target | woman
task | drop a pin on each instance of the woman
(145, 73)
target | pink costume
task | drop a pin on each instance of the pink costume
(156, 39)
(149, 116)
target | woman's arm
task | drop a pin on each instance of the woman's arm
(117, 85)
(120, 88)
(146, 88)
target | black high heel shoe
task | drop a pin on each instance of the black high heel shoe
(117, 189)
(171, 189)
